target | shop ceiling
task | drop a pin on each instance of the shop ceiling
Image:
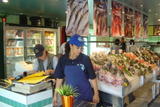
(44, 8)
(56, 8)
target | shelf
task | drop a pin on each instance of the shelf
(14, 46)
(30, 46)
(31, 55)
(49, 38)
(50, 45)
(15, 38)
(157, 81)
(34, 38)
(15, 56)
(51, 52)
(155, 45)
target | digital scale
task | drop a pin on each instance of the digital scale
(30, 88)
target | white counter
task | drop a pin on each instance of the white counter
(120, 91)
(135, 82)
(12, 99)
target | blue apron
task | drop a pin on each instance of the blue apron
(77, 78)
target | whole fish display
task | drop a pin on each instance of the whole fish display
(138, 24)
(100, 17)
(116, 19)
(77, 21)
(128, 22)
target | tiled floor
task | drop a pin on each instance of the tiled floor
(144, 97)
(156, 102)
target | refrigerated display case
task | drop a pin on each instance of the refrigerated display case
(50, 40)
(20, 41)
(14, 45)
(33, 37)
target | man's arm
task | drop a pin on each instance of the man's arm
(58, 85)
(95, 89)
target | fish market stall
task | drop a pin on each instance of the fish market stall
(119, 75)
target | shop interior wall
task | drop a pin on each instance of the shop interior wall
(150, 36)
(2, 69)
(14, 19)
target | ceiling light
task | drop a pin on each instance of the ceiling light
(141, 5)
(4, 1)
(159, 20)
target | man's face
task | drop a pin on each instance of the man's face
(43, 57)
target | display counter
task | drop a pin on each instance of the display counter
(120, 91)
(13, 99)
(155, 48)
(116, 94)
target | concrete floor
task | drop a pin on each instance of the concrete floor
(144, 97)
(156, 102)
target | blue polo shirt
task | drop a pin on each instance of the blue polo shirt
(82, 60)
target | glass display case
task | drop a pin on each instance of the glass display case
(50, 39)
(33, 37)
(14, 45)
(20, 41)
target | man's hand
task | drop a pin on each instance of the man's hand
(96, 98)
(48, 72)
(11, 78)
(55, 103)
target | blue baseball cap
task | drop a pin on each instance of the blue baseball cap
(76, 40)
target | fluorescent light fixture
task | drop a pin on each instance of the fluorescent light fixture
(66, 11)
(3, 1)
(141, 5)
